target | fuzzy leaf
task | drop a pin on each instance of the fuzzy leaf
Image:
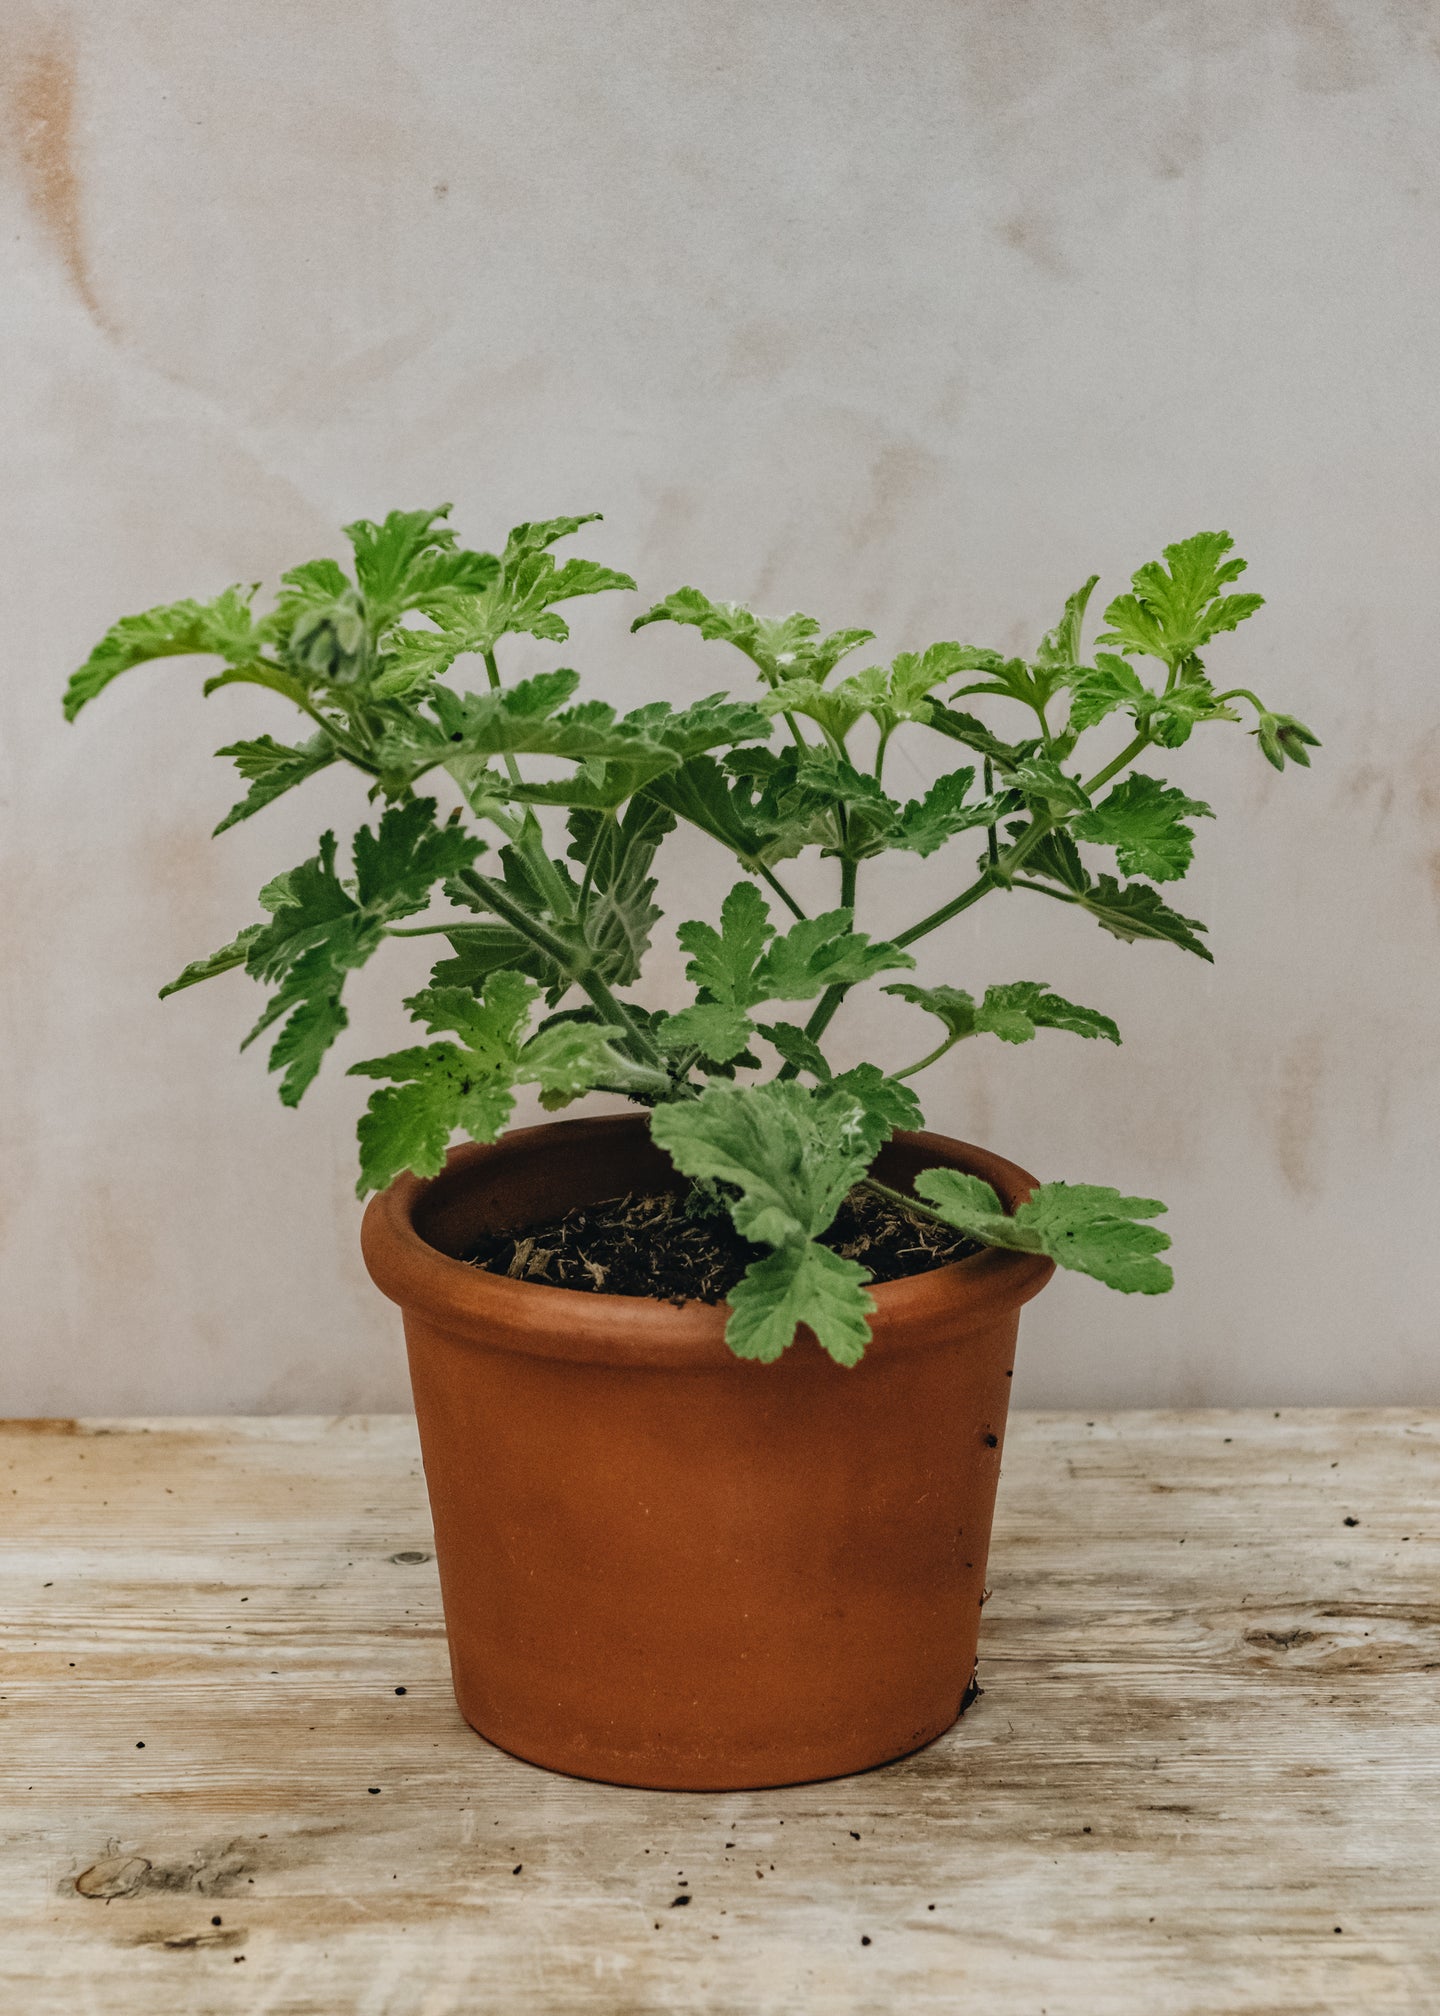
(800, 1284)
(1012, 1011)
(700, 792)
(1083, 1226)
(927, 823)
(619, 913)
(1143, 820)
(885, 1102)
(468, 1086)
(1133, 910)
(716, 1029)
(787, 647)
(1097, 690)
(1060, 647)
(223, 628)
(821, 952)
(793, 1155)
(1175, 609)
(975, 735)
(272, 768)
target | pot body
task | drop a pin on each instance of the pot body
(664, 1566)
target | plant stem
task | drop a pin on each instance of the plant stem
(931, 1057)
(531, 839)
(905, 1203)
(580, 969)
(1127, 755)
(992, 838)
(776, 884)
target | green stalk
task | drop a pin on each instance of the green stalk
(580, 969)
(932, 1057)
(1127, 755)
(531, 839)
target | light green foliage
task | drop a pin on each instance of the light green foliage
(374, 658)
(1013, 1011)
(440, 1089)
(793, 1156)
(1174, 610)
(1083, 1226)
(1144, 821)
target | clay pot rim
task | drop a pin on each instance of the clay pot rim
(540, 1320)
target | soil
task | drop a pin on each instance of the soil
(661, 1245)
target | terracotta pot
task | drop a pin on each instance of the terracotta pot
(663, 1566)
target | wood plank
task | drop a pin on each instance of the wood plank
(1209, 1737)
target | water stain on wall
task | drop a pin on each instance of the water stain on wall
(42, 93)
(1292, 1108)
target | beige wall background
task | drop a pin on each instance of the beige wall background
(907, 313)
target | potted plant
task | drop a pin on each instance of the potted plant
(710, 1396)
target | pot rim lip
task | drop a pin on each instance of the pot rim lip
(541, 1319)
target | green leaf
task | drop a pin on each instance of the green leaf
(1060, 647)
(618, 913)
(1174, 610)
(1134, 910)
(1097, 690)
(927, 823)
(716, 1029)
(1143, 820)
(794, 1285)
(821, 952)
(792, 1154)
(799, 1050)
(712, 723)
(223, 628)
(700, 792)
(224, 961)
(787, 647)
(885, 1102)
(975, 735)
(1083, 1226)
(469, 1086)
(521, 595)
(1012, 1011)
(523, 720)
(483, 949)
(272, 768)
(411, 561)
(723, 963)
(1041, 781)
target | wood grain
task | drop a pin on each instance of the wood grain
(1210, 1736)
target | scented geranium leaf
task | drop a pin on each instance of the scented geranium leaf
(224, 961)
(927, 823)
(411, 561)
(1082, 1226)
(713, 723)
(723, 963)
(716, 1029)
(785, 647)
(1144, 821)
(1175, 609)
(461, 730)
(483, 949)
(442, 1088)
(1170, 717)
(701, 793)
(271, 769)
(1032, 1002)
(398, 865)
(1012, 1011)
(321, 929)
(950, 1005)
(520, 592)
(1060, 647)
(975, 735)
(1040, 781)
(1133, 910)
(800, 1051)
(224, 628)
(1097, 690)
(792, 1154)
(1057, 857)
(618, 912)
(410, 1124)
(820, 952)
(885, 1102)
(800, 1284)
(313, 585)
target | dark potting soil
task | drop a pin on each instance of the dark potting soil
(653, 1245)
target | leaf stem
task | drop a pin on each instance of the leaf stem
(931, 1057)
(1127, 755)
(776, 884)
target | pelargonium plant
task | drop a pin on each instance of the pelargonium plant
(546, 937)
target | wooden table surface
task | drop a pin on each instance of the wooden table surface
(1204, 1775)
